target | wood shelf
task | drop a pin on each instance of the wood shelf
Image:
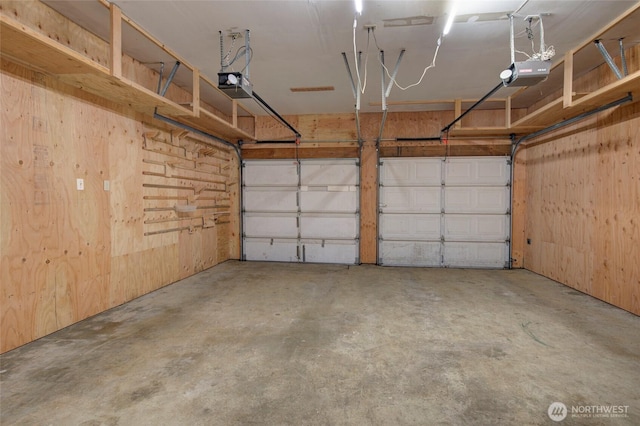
(612, 92)
(38, 51)
(491, 131)
(211, 123)
(26, 46)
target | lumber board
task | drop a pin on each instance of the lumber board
(369, 204)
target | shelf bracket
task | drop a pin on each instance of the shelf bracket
(609, 59)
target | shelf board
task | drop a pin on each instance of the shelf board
(554, 111)
(30, 47)
(491, 131)
(612, 92)
(37, 51)
(212, 124)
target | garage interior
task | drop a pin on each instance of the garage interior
(327, 245)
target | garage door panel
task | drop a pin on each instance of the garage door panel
(410, 253)
(416, 172)
(444, 212)
(410, 199)
(476, 171)
(334, 201)
(410, 227)
(268, 200)
(478, 255)
(279, 211)
(334, 173)
(276, 250)
(270, 225)
(477, 200)
(270, 173)
(325, 226)
(317, 251)
(476, 228)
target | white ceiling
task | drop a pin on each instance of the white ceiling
(298, 43)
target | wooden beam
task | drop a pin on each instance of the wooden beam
(196, 92)
(457, 111)
(234, 113)
(436, 101)
(115, 66)
(289, 152)
(567, 87)
(368, 203)
(445, 150)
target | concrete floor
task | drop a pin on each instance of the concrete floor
(263, 343)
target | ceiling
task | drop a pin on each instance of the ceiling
(299, 44)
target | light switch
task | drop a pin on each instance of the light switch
(106, 185)
(80, 184)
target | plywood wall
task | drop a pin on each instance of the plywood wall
(583, 207)
(67, 254)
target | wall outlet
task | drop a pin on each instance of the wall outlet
(80, 184)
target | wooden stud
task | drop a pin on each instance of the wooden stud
(567, 88)
(196, 92)
(457, 111)
(234, 113)
(115, 65)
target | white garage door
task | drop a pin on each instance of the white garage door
(301, 212)
(440, 212)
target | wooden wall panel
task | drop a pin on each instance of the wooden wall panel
(329, 127)
(67, 254)
(56, 240)
(583, 205)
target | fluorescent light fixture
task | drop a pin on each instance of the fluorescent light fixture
(452, 16)
(359, 6)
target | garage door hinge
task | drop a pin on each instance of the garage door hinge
(508, 162)
(358, 163)
(508, 212)
(381, 163)
(442, 239)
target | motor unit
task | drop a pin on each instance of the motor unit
(235, 85)
(526, 73)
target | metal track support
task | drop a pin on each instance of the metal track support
(172, 74)
(608, 59)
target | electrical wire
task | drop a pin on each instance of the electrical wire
(361, 86)
(535, 55)
(393, 80)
